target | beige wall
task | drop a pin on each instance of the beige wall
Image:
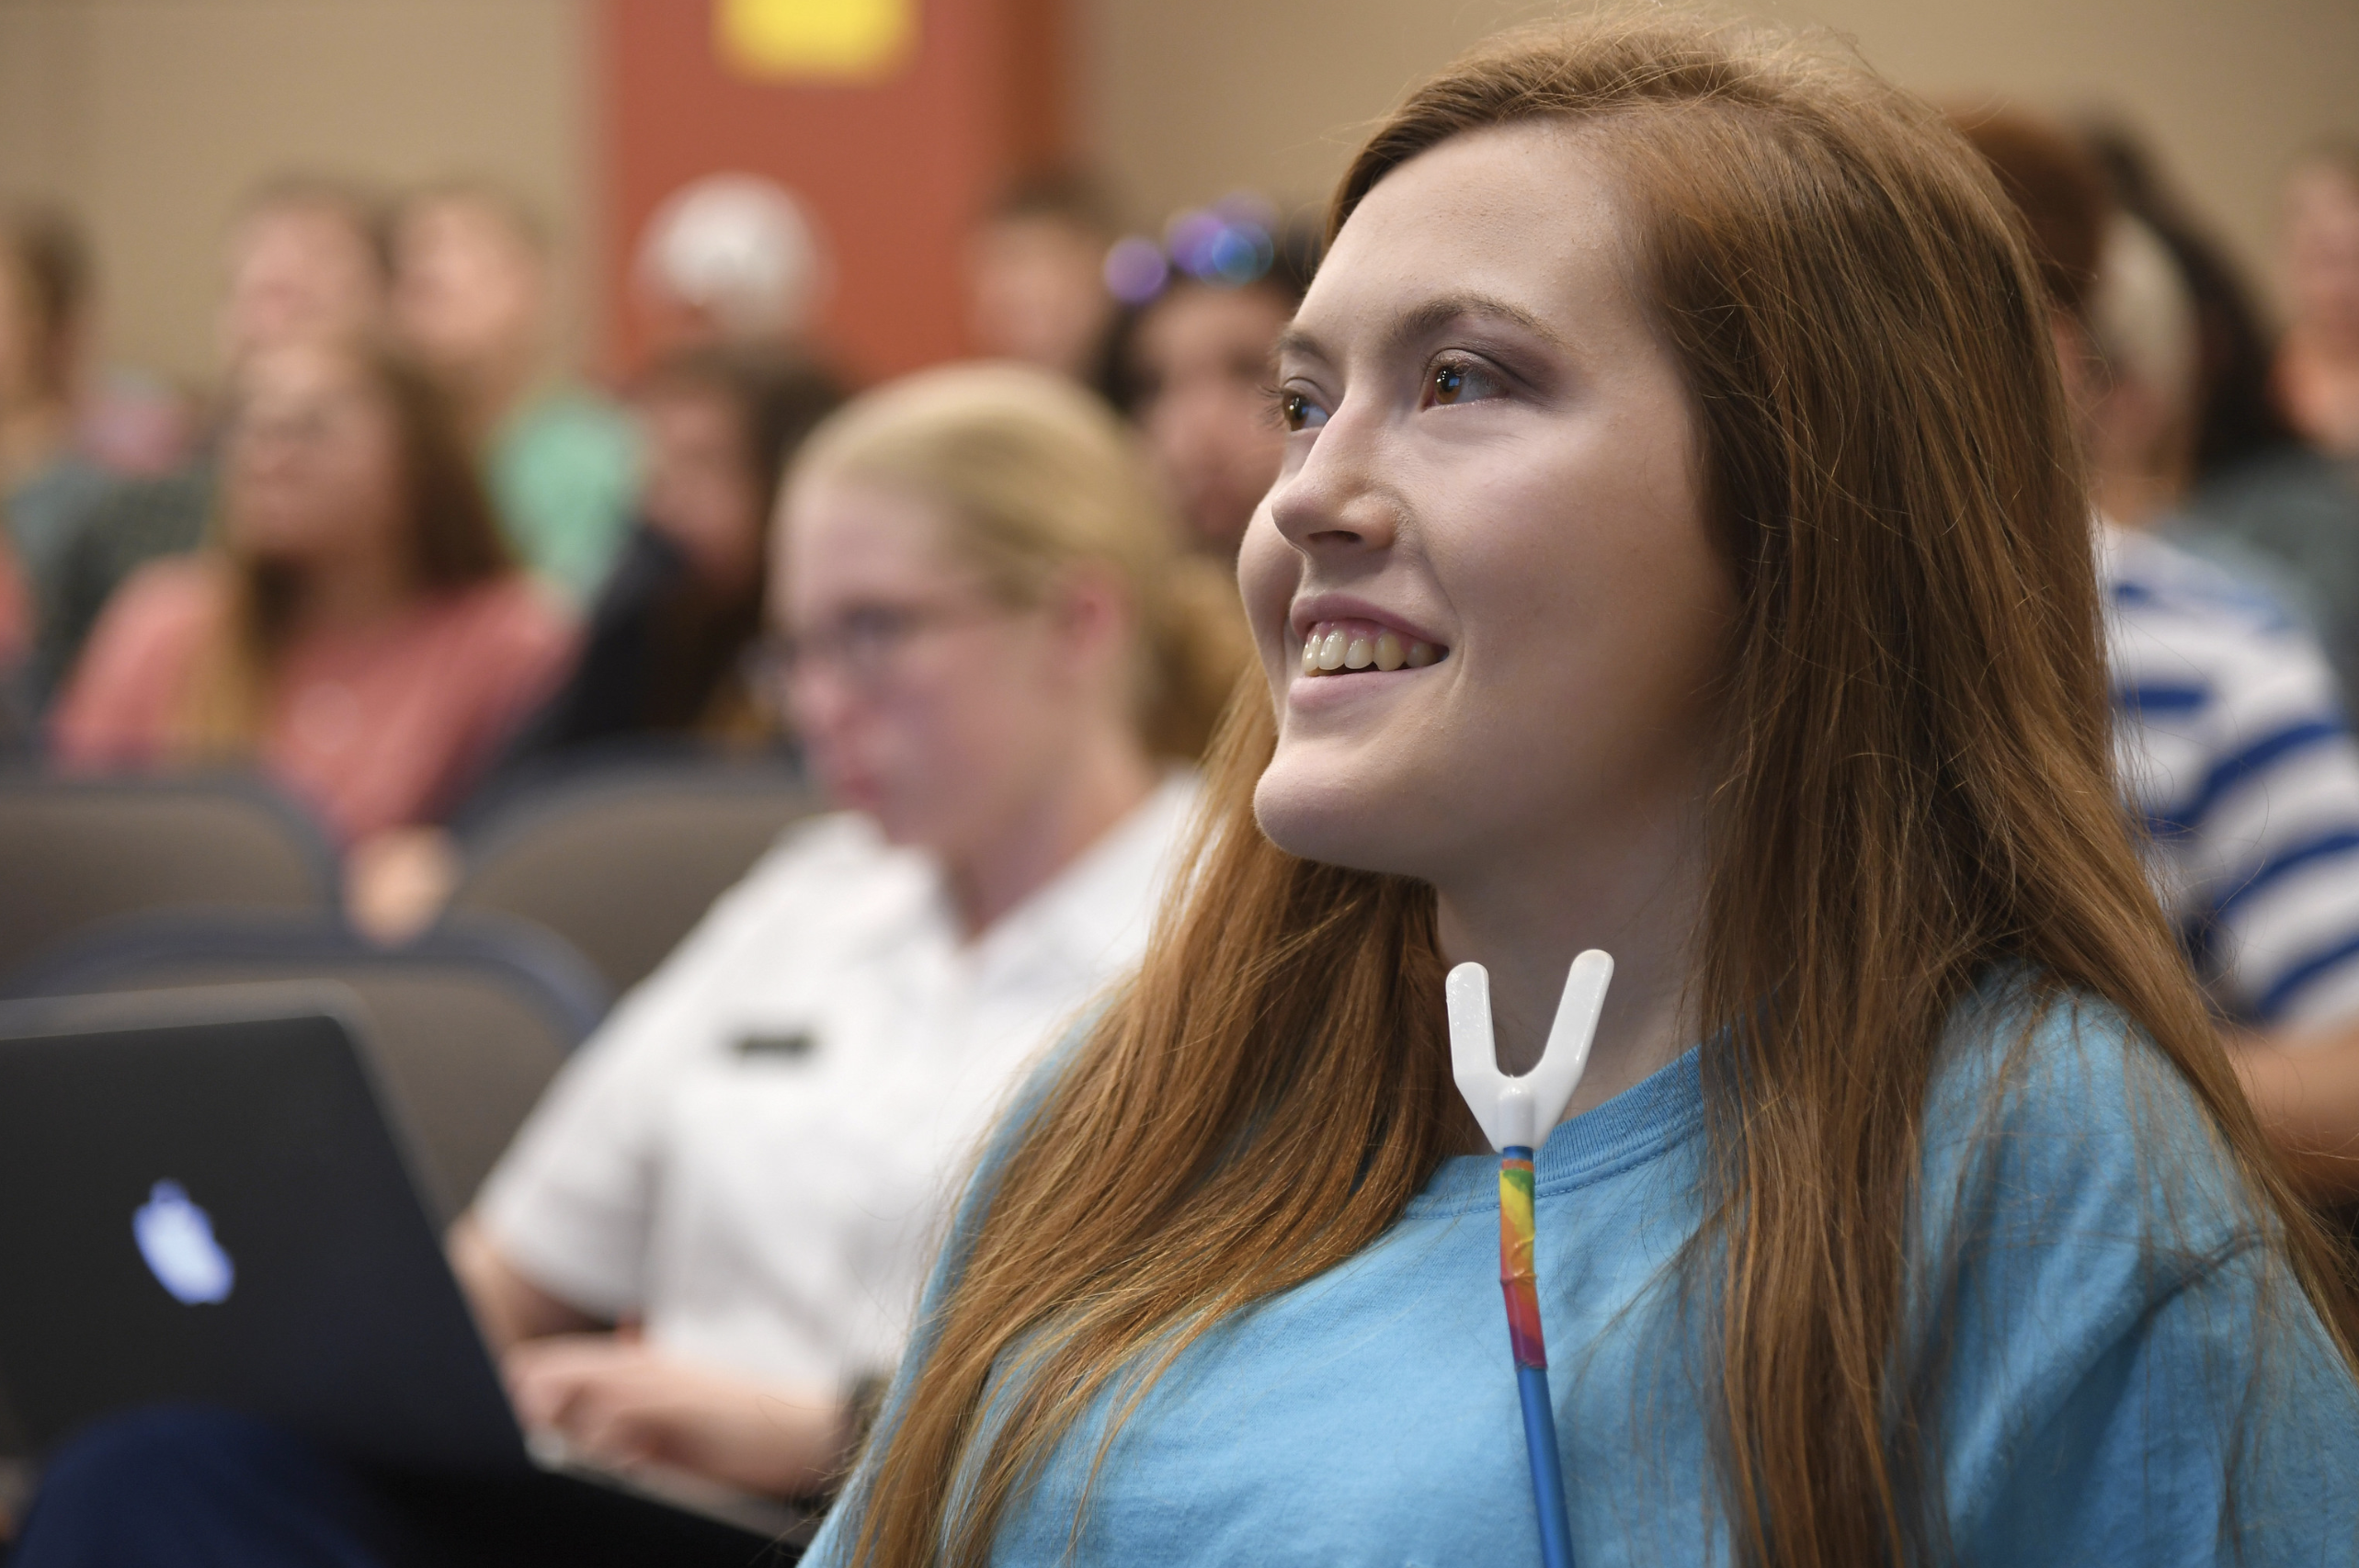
(1191, 99)
(148, 116)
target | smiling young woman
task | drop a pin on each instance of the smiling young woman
(1688, 399)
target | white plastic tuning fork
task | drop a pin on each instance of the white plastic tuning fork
(1516, 1115)
(1520, 1112)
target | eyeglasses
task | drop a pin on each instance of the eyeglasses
(865, 644)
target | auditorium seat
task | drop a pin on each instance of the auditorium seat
(467, 1024)
(622, 862)
(75, 854)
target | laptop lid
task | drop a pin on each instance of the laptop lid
(219, 1208)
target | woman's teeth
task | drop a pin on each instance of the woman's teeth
(1334, 648)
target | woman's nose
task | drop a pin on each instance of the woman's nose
(1337, 497)
(821, 700)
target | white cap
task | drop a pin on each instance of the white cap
(742, 250)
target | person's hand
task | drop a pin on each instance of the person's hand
(2305, 1088)
(396, 882)
(508, 1305)
(620, 1403)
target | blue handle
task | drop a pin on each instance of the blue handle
(1547, 1474)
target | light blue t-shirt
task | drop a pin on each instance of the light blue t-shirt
(2098, 1310)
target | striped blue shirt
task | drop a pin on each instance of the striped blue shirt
(2233, 746)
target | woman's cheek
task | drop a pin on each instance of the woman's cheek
(1267, 573)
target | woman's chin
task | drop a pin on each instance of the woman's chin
(848, 792)
(1347, 823)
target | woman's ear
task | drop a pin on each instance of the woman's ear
(1092, 615)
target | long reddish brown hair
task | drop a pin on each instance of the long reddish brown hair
(1918, 791)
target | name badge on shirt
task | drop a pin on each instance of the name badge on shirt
(776, 1045)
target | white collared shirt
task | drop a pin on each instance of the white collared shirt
(756, 1154)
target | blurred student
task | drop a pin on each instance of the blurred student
(1190, 364)
(2259, 499)
(2237, 420)
(308, 257)
(1035, 277)
(2230, 730)
(664, 661)
(48, 488)
(1001, 668)
(2296, 505)
(1004, 670)
(305, 257)
(668, 646)
(2137, 376)
(354, 628)
(471, 298)
(2318, 364)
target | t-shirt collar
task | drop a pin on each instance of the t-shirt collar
(1641, 1122)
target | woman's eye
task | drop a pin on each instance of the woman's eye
(867, 628)
(1463, 380)
(1300, 413)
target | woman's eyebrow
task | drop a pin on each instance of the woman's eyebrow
(1300, 342)
(1424, 319)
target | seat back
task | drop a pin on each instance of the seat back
(623, 863)
(467, 1025)
(75, 855)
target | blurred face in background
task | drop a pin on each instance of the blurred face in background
(1037, 293)
(1201, 362)
(298, 271)
(920, 698)
(702, 492)
(313, 476)
(2322, 254)
(468, 289)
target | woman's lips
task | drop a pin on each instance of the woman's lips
(1342, 647)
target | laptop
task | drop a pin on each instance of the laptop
(205, 1197)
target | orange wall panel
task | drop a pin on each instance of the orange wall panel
(894, 170)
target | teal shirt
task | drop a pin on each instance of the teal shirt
(47, 515)
(2099, 1308)
(564, 473)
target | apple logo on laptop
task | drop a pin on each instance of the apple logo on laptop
(177, 1238)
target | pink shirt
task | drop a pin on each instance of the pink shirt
(373, 728)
